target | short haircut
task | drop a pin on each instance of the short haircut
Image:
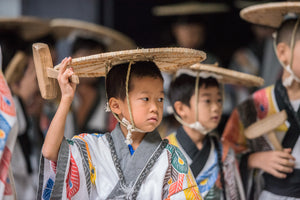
(116, 77)
(182, 88)
(87, 43)
(285, 31)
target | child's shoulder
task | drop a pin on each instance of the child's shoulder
(86, 137)
(177, 159)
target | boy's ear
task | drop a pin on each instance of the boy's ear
(180, 109)
(114, 105)
(283, 53)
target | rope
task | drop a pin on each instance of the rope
(127, 95)
(197, 94)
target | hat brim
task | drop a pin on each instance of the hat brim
(230, 76)
(167, 60)
(269, 14)
(29, 28)
(16, 66)
(114, 40)
(189, 8)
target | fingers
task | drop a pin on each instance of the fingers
(64, 72)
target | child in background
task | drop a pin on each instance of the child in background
(197, 98)
(131, 162)
(268, 173)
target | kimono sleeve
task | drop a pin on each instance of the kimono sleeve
(179, 181)
(233, 135)
(69, 177)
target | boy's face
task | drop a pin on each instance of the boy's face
(209, 107)
(296, 61)
(146, 101)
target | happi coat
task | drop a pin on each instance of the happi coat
(259, 105)
(100, 166)
(8, 135)
(205, 165)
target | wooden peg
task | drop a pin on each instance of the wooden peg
(46, 74)
(267, 126)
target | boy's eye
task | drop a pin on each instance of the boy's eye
(207, 101)
(160, 99)
(145, 99)
(220, 100)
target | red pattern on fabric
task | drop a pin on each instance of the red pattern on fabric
(176, 186)
(8, 108)
(53, 166)
(261, 103)
(232, 135)
(4, 164)
(73, 178)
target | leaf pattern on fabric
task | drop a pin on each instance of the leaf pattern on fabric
(47, 191)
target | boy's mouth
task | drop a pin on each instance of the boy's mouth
(153, 119)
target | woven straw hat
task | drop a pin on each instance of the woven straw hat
(167, 59)
(228, 76)
(114, 40)
(189, 8)
(270, 14)
(16, 67)
(29, 28)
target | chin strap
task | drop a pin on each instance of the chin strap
(196, 125)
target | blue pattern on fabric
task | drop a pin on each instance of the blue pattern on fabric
(48, 189)
(5, 127)
(7, 101)
(211, 174)
(131, 149)
(98, 134)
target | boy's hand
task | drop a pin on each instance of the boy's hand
(67, 88)
(276, 163)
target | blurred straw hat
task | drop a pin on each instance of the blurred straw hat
(113, 40)
(189, 8)
(167, 59)
(270, 14)
(16, 66)
(226, 76)
(28, 28)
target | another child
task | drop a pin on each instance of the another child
(197, 97)
(103, 166)
(269, 173)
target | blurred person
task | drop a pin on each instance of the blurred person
(268, 172)
(189, 30)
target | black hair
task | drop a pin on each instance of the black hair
(116, 77)
(182, 88)
(285, 31)
(87, 43)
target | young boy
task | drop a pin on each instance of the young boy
(260, 163)
(94, 166)
(197, 97)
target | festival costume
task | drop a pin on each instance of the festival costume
(100, 166)
(204, 164)
(8, 135)
(261, 104)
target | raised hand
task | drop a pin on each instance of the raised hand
(67, 88)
